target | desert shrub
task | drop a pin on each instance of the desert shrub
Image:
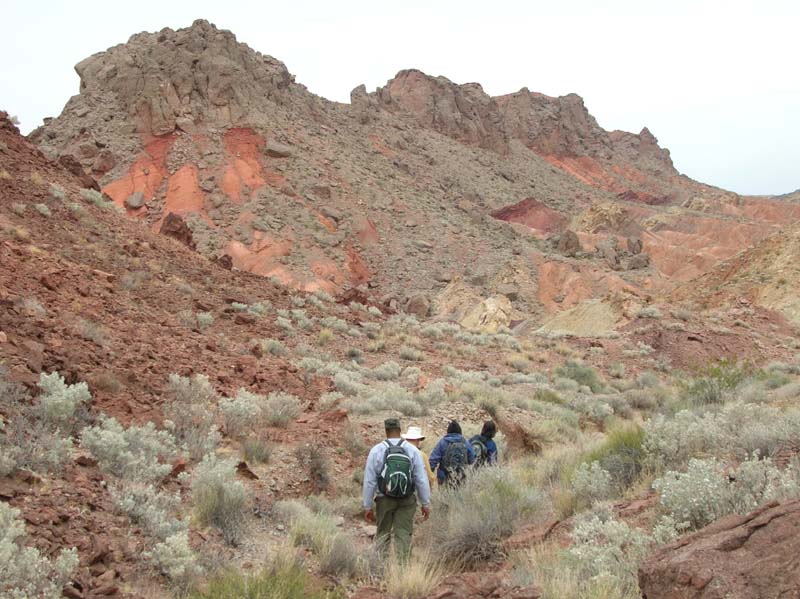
(285, 324)
(24, 572)
(323, 296)
(286, 577)
(590, 408)
(433, 394)
(63, 407)
(175, 559)
(219, 499)
(149, 508)
(414, 578)
(256, 450)
(620, 454)
(407, 352)
(649, 312)
(519, 363)
(590, 484)
(273, 347)
(30, 443)
(316, 464)
(281, 408)
(349, 382)
(19, 208)
(325, 336)
(603, 547)
(136, 453)
(714, 384)
(469, 523)
(566, 385)
(204, 320)
(736, 431)
(242, 413)
(388, 371)
(191, 413)
(43, 209)
(319, 533)
(707, 491)
(374, 311)
(582, 374)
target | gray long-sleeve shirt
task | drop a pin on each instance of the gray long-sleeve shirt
(374, 465)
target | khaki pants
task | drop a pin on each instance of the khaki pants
(395, 519)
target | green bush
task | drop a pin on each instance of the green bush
(281, 408)
(64, 407)
(620, 454)
(219, 499)
(582, 374)
(191, 414)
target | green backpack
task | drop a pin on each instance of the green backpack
(395, 479)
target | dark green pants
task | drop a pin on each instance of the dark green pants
(395, 519)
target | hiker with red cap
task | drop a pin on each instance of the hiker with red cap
(394, 472)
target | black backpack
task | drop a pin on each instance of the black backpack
(481, 450)
(455, 461)
(396, 479)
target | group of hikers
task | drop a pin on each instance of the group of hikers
(398, 473)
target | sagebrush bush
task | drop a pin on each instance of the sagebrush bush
(24, 572)
(590, 484)
(714, 384)
(64, 407)
(273, 347)
(136, 453)
(582, 374)
(256, 450)
(175, 559)
(469, 522)
(242, 413)
(605, 547)
(316, 464)
(281, 408)
(407, 352)
(30, 443)
(620, 454)
(736, 431)
(219, 499)
(192, 412)
(707, 491)
(147, 507)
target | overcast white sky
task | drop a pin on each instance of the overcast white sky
(717, 82)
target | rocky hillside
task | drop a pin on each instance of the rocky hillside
(424, 190)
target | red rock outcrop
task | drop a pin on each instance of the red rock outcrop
(737, 557)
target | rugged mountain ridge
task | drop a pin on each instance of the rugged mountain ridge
(424, 190)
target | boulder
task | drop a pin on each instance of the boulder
(634, 245)
(637, 262)
(418, 305)
(608, 249)
(510, 290)
(489, 315)
(135, 200)
(174, 226)
(569, 244)
(737, 557)
(277, 149)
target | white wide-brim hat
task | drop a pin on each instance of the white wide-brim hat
(414, 433)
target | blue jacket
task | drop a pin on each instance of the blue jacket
(437, 455)
(491, 449)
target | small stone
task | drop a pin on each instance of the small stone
(278, 150)
(135, 200)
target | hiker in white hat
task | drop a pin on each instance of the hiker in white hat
(414, 436)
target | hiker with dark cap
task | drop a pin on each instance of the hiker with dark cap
(451, 456)
(394, 472)
(484, 446)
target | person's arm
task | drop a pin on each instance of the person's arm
(421, 478)
(492, 447)
(436, 456)
(370, 479)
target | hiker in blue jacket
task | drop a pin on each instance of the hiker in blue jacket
(451, 456)
(484, 446)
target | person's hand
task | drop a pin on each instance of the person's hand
(369, 515)
(426, 512)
